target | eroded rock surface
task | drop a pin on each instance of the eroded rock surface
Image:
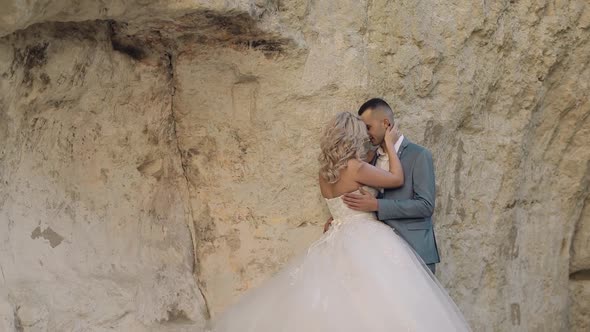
(157, 159)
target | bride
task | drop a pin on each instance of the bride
(360, 275)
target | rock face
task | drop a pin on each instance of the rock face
(157, 159)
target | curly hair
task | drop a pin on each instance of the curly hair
(343, 138)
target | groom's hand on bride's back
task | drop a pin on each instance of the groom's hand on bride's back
(364, 201)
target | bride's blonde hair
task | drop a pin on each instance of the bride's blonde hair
(344, 138)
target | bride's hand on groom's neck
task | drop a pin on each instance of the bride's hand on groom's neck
(391, 135)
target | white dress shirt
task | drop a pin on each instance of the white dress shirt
(383, 158)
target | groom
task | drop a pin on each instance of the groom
(408, 209)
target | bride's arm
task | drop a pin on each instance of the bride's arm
(370, 175)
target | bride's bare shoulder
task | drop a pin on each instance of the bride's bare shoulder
(355, 164)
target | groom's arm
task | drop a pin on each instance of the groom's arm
(422, 205)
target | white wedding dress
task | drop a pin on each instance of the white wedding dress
(360, 276)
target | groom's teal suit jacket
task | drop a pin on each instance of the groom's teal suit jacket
(408, 209)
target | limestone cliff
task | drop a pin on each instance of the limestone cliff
(158, 158)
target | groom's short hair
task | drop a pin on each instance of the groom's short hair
(377, 104)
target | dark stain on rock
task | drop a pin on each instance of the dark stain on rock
(207, 148)
(515, 313)
(263, 45)
(45, 79)
(192, 152)
(237, 30)
(510, 205)
(104, 175)
(152, 167)
(18, 325)
(233, 241)
(153, 139)
(433, 132)
(177, 316)
(127, 48)
(5, 122)
(35, 55)
(235, 24)
(512, 248)
(459, 167)
(124, 43)
(79, 73)
(48, 234)
(580, 275)
(461, 213)
(206, 232)
(564, 247)
(449, 205)
(32, 56)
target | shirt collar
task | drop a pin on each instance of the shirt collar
(396, 146)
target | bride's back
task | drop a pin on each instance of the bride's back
(345, 183)
(342, 145)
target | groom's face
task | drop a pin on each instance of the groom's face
(376, 126)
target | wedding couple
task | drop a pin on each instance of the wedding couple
(372, 270)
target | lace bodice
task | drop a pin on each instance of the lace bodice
(341, 212)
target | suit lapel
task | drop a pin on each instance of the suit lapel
(405, 143)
